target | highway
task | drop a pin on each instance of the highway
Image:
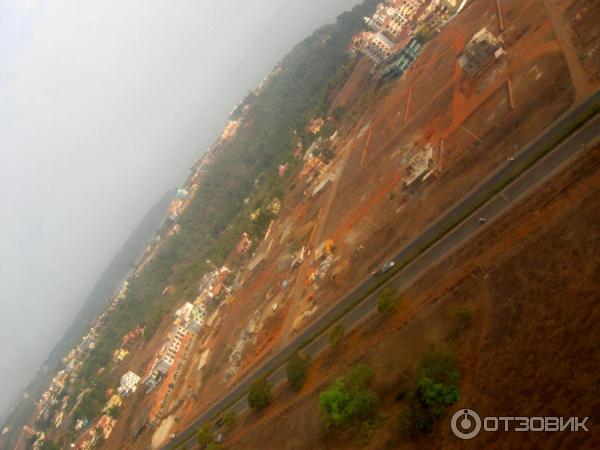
(552, 150)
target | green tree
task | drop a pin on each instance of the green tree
(259, 396)
(338, 113)
(297, 370)
(436, 388)
(335, 336)
(47, 445)
(387, 301)
(205, 435)
(113, 412)
(349, 401)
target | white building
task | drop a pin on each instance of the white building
(129, 383)
(183, 313)
(197, 319)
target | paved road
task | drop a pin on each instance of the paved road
(492, 197)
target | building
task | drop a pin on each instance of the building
(120, 354)
(183, 313)
(402, 61)
(378, 47)
(197, 319)
(480, 52)
(115, 400)
(420, 166)
(244, 244)
(106, 424)
(129, 383)
(315, 125)
(182, 193)
(275, 206)
(230, 130)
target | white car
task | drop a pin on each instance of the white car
(387, 266)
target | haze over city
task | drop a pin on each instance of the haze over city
(103, 108)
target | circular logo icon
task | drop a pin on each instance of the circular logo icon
(466, 424)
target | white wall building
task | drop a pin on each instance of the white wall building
(129, 383)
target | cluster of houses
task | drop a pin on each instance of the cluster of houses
(190, 320)
(396, 30)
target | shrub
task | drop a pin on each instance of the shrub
(113, 412)
(259, 396)
(436, 387)
(205, 436)
(229, 419)
(297, 370)
(349, 401)
(335, 336)
(463, 319)
(387, 301)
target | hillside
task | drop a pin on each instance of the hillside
(427, 240)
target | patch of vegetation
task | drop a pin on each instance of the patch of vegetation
(338, 113)
(229, 419)
(259, 396)
(387, 301)
(113, 412)
(436, 387)
(297, 370)
(205, 435)
(463, 319)
(335, 335)
(47, 445)
(213, 446)
(349, 402)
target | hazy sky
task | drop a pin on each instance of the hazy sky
(103, 107)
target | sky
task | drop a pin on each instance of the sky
(104, 105)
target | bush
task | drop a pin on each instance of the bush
(436, 387)
(387, 301)
(335, 336)
(297, 370)
(113, 412)
(349, 402)
(229, 419)
(463, 319)
(205, 435)
(259, 396)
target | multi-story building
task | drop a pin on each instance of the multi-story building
(378, 47)
(129, 383)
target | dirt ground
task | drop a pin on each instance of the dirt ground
(532, 281)
(474, 126)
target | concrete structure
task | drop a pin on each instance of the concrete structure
(129, 383)
(378, 47)
(120, 354)
(400, 62)
(197, 319)
(184, 312)
(315, 125)
(420, 166)
(481, 50)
